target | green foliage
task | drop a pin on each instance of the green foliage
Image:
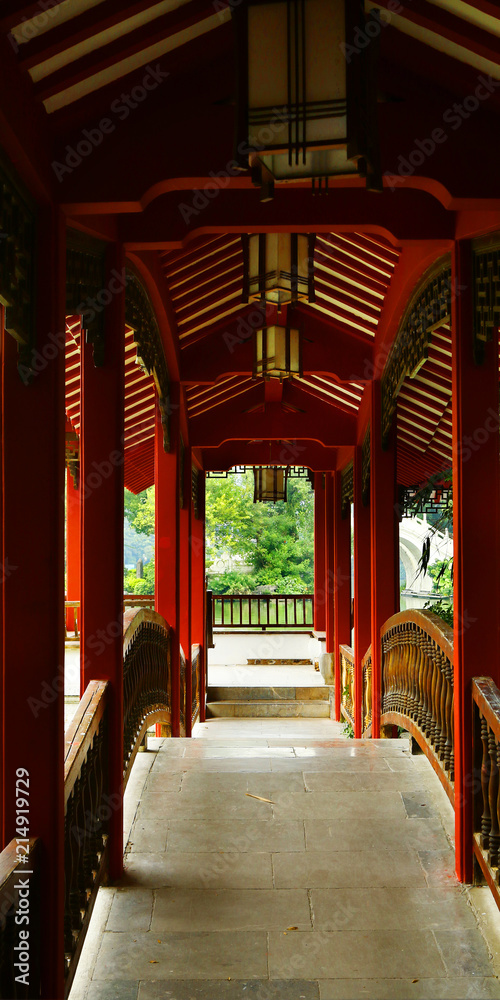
(133, 584)
(275, 540)
(348, 731)
(442, 576)
(140, 511)
(442, 608)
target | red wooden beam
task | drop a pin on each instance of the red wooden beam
(124, 48)
(450, 26)
(294, 452)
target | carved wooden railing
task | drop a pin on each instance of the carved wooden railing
(146, 679)
(196, 667)
(347, 683)
(20, 870)
(417, 685)
(263, 611)
(485, 783)
(88, 806)
(366, 667)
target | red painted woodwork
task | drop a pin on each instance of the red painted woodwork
(320, 582)
(73, 547)
(329, 564)
(341, 583)
(384, 546)
(476, 536)
(362, 586)
(102, 485)
(32, 582)
(185, 631)
(167, 540)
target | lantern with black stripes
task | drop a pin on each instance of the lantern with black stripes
(270, 483)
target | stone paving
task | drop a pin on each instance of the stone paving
(340, 886)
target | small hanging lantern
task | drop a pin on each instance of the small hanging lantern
(307, 93)
(277, 353)
(269, 484)
(278, 267)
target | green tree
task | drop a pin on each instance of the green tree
(140, 585)
(140, 510)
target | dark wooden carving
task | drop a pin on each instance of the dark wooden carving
(486, 276)
(195, 491)
(17, 267)
(140, 316)
(430, 306)
(182, 471)
(86, 294)
(347, 491)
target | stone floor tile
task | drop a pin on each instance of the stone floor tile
(113, 991)
(418, 804)
(236, 835)
(354, 954)
(209, 809)
(357, 870)
(390, 908)
(419, 834)
(407, 989)
(215, 870)
(148, 834)
(464, 952)
(205, 955)
(229, 909)
(345, 780)
(261, 989)
(439, 866)
(131, 907)
(338, 805)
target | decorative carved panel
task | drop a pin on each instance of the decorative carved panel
(140, 316)
(86, 294)
(365, 469)
(429, 308)
(347, 491)
(17, 267)
(195, 490)
(486, 276)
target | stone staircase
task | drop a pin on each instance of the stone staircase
(271, 701)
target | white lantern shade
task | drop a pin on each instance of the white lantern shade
(297, 87)
(272, 265)
(270, 484)
(277, 352)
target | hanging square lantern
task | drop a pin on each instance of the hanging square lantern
(307, 92)
(278, 267)
(277, 353)
(270, 484)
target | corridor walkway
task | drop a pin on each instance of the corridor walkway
(340, 887)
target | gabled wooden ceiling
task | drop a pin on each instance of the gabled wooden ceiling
(79, 54)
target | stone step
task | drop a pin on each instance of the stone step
(316, 693)
(283, 709)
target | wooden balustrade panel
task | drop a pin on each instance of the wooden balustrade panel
(196, 668)
(366, 666)
(146, 680)
(19, 861)
(289, 611)
(485, 781)
(88, 808)
(347, 681)
(417, 685)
